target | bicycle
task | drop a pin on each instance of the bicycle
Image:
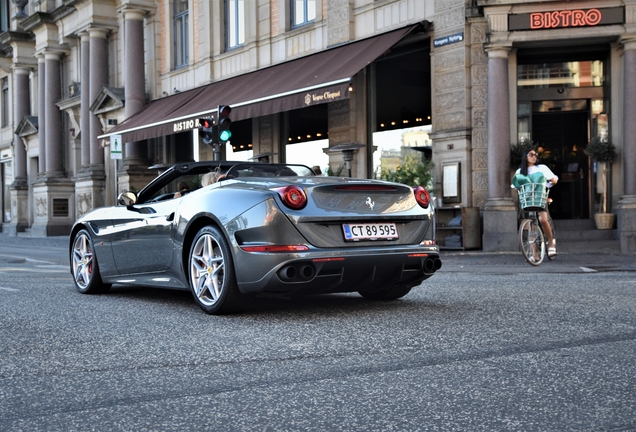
(532, 240)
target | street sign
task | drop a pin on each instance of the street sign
(115, 147)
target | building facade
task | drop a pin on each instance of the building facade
(99, 96)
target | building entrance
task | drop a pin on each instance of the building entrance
(561, 104)
(560, 138)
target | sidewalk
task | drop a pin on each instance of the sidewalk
(60, 241)
(574, 257)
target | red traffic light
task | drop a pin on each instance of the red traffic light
(206, 130)
(224, 110)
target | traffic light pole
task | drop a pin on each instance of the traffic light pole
(216, 149)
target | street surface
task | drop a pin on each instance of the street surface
(468, 350)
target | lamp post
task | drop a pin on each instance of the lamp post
(263, 157)
(348, 150)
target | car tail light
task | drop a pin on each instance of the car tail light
(422, 197)
(293, 197)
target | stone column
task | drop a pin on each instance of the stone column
(136, 153)
(53, 206)
(500, 213)
(53, 115)
(626, 207)
(22, 108)
(85, 101)
(19, 190)
(98, 79)
(41, 119)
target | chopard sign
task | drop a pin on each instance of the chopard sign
(321, 97)
(566, 19)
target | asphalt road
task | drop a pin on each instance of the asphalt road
(465, 351)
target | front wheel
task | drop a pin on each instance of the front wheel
(386, 294)
(84, 265)
(531, 241)
(212, 278)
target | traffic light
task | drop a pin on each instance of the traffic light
(224, 123)
(206, 130)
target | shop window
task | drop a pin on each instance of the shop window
(305, 133)
(302, 12)
(181, 14)
(564, 74)
(239, 148)
(403, 109)
(4, 115)
(234, 23)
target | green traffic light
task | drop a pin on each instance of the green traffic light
(225, 135)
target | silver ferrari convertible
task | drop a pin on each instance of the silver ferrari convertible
(258, 228)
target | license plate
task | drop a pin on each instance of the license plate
(370, 231)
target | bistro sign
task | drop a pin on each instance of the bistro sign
(185, 125)
(566, 19)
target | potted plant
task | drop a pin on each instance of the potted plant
(603, 152)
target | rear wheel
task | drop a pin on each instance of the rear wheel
(532, 241)
(386, 294)
(212, 278)
(84, 265)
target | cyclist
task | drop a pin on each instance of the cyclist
(538, 173)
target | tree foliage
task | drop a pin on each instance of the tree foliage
(413, 172)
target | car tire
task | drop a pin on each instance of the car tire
(386, 294)
(212, 278)
(84, 266)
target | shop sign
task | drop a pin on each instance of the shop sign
(185, 125)
(326, 96)
(457, 37)
(566, 19)
(115, 147)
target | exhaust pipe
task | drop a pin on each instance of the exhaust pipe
(437, 263)
(299, 272)
(306, 272)
(288, 273)
(431, 265)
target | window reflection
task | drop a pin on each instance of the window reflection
(566, 74)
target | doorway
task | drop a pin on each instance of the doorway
(560, 137)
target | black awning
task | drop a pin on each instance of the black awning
(318, 78)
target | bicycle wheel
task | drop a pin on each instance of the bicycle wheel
(531, 241)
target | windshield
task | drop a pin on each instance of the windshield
(268, 170)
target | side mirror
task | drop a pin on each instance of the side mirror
(127, 199)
